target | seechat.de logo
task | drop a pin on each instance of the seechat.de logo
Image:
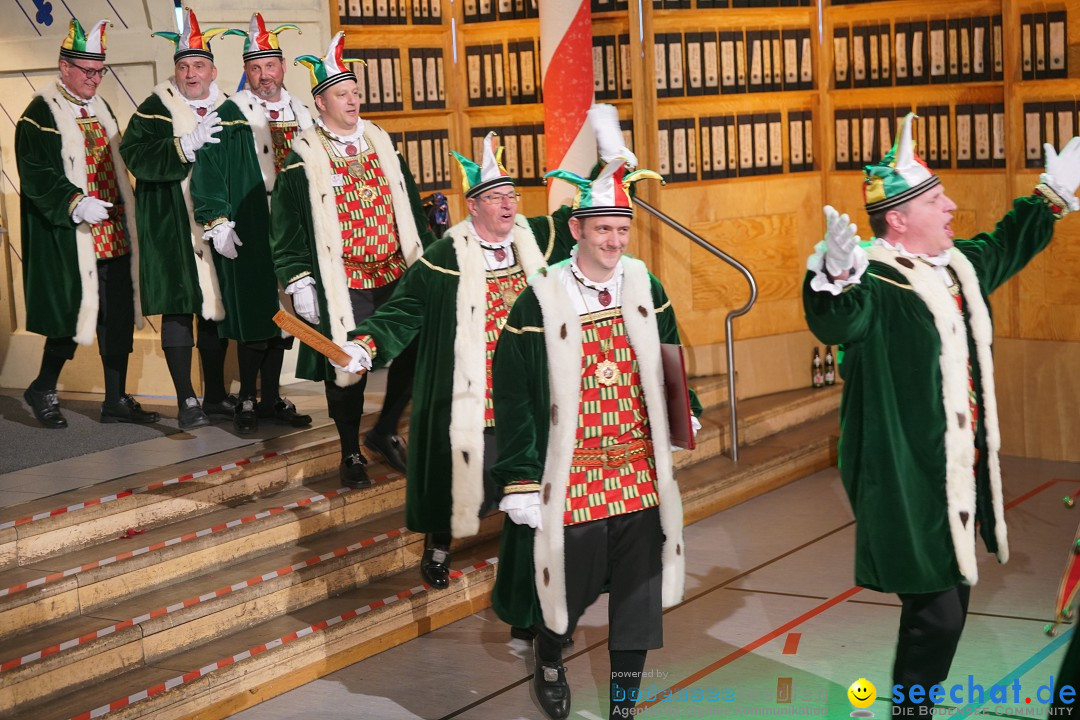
(862, 694)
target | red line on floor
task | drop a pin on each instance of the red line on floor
(1030, 493)
(750, 647)
(791, 645)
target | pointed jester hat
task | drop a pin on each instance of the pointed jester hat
(262, 43)
(609, 193)
(80, 45)
(191, 41)
(900, 176)
(491, 173)
(329, 70)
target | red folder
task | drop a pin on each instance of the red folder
(678, 396)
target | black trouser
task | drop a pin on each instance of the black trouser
(623, 553)
(930, 627)
(178, 330)
(116, 313)
(115, 331)
(345, 405)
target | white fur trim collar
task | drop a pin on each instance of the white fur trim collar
(252, 110)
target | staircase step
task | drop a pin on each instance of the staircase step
(146, 628)
(718, 483)
(758, 418)
(88, 579)
(264, 660)
(47, 527)
(712, 390)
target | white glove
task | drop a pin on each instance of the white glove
(305, 300)
(224, 238)
(840, 242)
(203, 134)
(359, 361)
(523, 509)
(609, 137)
(1063, 171)
(90, 210)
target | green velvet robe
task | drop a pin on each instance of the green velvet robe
(305, 237)
(442, 299)
(906, 450)
(59, 264)
(230, 182)
(176, 269)
(537, 394)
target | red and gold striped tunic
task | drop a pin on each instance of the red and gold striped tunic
(110, 240)
(369, 241)
(610, 415)
(511, 282)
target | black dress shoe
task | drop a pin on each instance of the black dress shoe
(127, 410)
(225, 408)
(284, 412)
(46, 407)
(435, 567)
(245, 419)
(391, 447)
(191, 415)
(552, 690)
(353, 472)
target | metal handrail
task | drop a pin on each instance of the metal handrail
(728, 340)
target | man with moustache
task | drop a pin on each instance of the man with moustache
(179, 281)
(919, 428)
(78, 241)
(230, 190)
(346, 221)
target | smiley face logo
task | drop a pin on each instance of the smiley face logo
(862, 693)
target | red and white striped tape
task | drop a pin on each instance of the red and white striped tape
(9, 665)
(258, 649)
(302, 502)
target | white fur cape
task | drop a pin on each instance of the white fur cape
(183, 122)
(73, 149)
(327, 230)
(562, 339)
(470, 381)
(253, 113)
(959, 438)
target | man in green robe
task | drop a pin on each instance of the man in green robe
(179, 281)
(230, 190)
(482, 262)
(346, 220)
(919, 427)
(79, 245)
(585, 452)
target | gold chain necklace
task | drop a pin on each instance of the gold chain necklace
(607, 372)
(506, 291)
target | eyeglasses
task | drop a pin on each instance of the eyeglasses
(498, 198)
(90, 73)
